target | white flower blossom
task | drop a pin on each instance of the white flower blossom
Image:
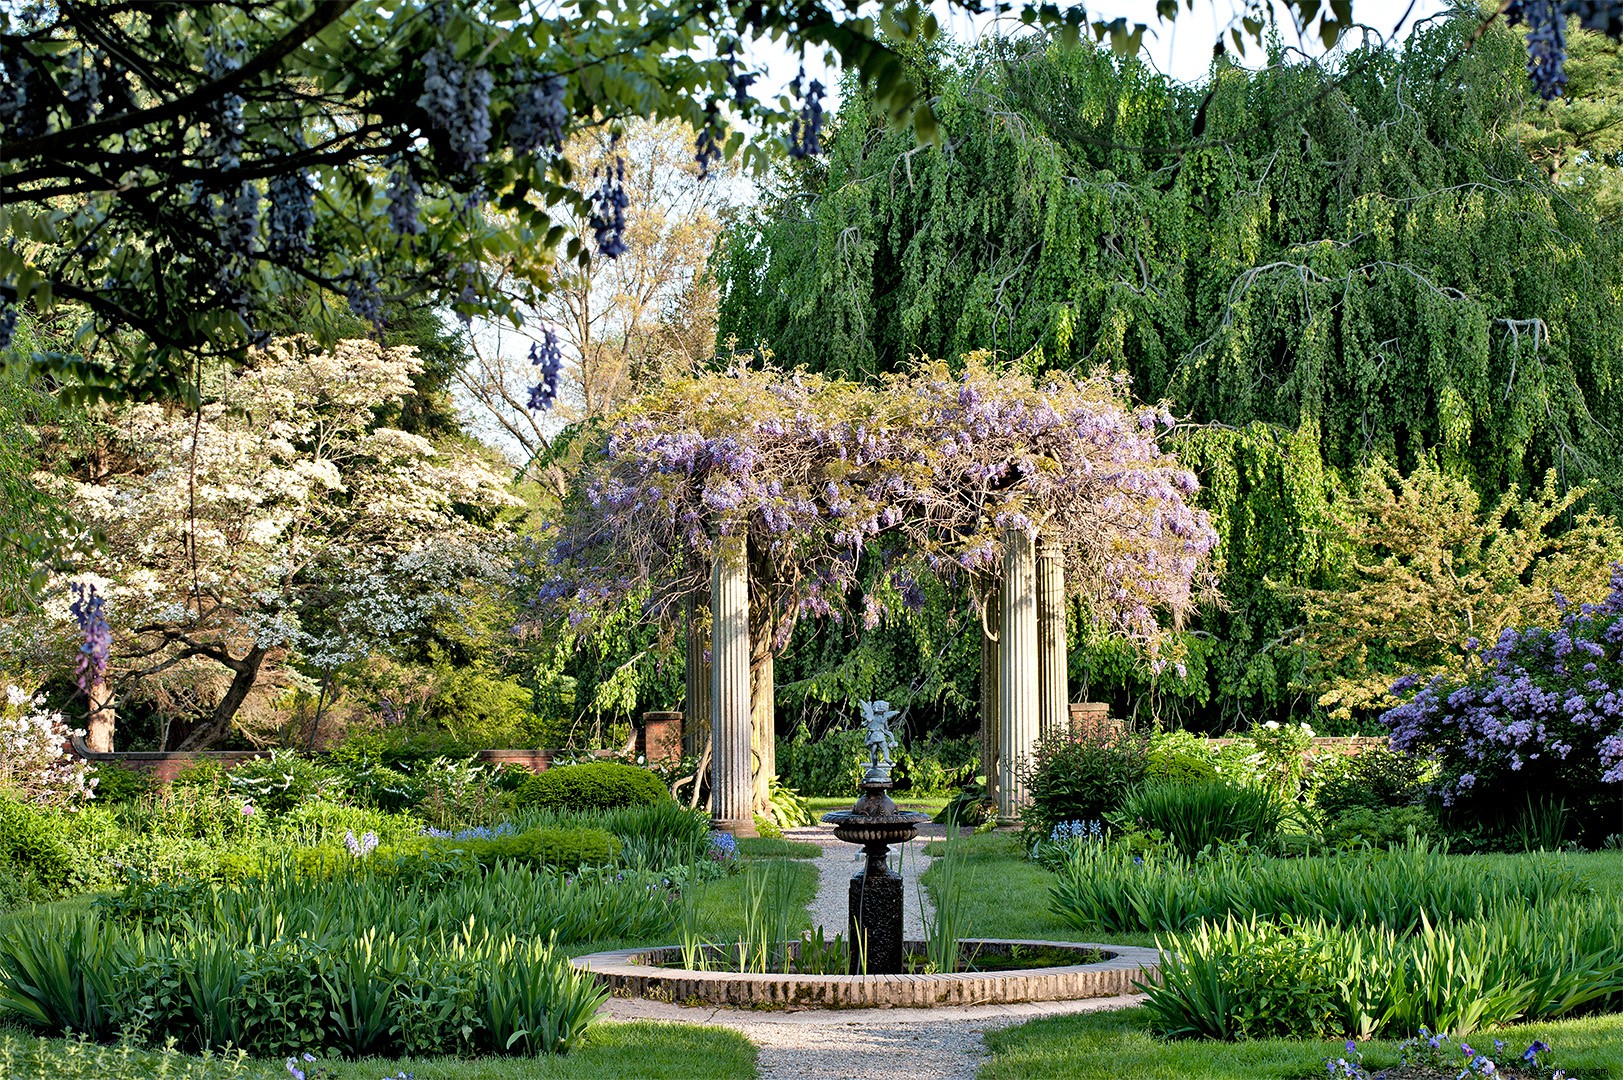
(36, 762)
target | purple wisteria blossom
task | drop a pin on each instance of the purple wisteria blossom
(88, 609)
(927, 474)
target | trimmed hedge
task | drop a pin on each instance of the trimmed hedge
(600, 785)
(563, 849)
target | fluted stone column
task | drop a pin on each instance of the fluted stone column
(991, 699)
(1017, 679)
(696, 710)
(1053, 666)
(731, 802)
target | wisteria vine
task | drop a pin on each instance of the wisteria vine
(927, 473)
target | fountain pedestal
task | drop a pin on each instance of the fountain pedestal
(875, 922)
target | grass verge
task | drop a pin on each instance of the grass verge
(1111, 1045)
(756, 847)
(646, 1051)
(1006, 896)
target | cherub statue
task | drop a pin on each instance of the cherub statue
(877, 737)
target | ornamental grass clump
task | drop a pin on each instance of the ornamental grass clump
(1206, 814)
(1311, 978)
(1105, 887)
(361, 963)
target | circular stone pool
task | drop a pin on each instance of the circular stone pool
(644, 973)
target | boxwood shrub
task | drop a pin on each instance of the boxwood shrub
(564, 849)
(599, 785)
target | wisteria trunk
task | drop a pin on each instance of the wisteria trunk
(1053, 662)
(696, 709)
(763, 699)
(763, 733)
(991, 700)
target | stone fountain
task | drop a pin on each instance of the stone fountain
(874, 823)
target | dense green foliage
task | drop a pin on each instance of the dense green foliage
(560, 849)
(832, 764)
(32, 846)
(1105, 886)
(1084, 779)
(1347, 263)
(603, 785)
(1375, 779)
(1247, 978)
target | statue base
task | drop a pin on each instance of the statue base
(875, 926)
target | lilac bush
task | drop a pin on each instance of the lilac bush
(1538, 715)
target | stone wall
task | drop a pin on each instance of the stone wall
(659, 739)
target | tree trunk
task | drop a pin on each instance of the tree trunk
(103, 719)
(763, 731)
(247, 672)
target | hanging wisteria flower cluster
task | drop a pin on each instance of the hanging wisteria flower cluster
(35, 759)
(806, 130)
(609, 204)
(89, 611)
(456, 97)
(548, 356)
(928, 472)
(1541, 715)
(1546, 22)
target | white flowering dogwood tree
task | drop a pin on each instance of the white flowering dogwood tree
(279, 523)
(36, 763)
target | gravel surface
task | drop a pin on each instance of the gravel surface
(865, 1044)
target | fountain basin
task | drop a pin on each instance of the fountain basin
(638, 973)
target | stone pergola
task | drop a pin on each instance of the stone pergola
(1024, 687)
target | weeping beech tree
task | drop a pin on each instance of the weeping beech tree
(1317, 266)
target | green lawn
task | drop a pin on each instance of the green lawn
(820, 805)
(1006, 896)
(1113, 1045)
(645, 1051)
(761, 846)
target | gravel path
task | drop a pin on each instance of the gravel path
(865, 1044)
